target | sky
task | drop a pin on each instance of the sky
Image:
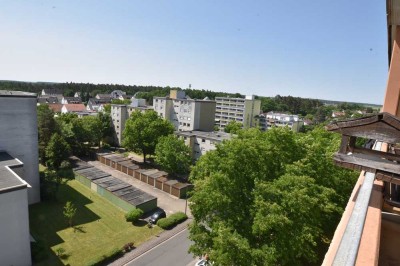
(326, 49)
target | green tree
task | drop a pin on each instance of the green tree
(46, 127)
(233, 127)
(173, 155)
(143, 130)
(69, 212)
(92, 127)
(105, 127)
(57, 151)
(267, 198)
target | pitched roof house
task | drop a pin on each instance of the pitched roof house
(73, 108)
(56, 107)
(97, 104)
(68, 100)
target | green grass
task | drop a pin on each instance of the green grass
(99, 226)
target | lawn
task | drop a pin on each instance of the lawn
(99, 226)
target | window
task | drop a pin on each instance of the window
(188, 125)
(203, 140)
(189, 118)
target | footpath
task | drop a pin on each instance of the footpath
(153, 242)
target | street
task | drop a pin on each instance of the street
(171, 252)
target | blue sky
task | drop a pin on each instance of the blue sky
(329, 49)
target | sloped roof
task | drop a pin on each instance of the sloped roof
(73, 99)
(53, 91)
(99, 101)
(56, 107)
(383, 127)
(79, 107)
(47, 99)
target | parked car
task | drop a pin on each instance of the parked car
(157, 216)
(204, 262)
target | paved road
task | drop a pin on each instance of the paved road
(171, 252)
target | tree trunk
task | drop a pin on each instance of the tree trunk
(144, 157)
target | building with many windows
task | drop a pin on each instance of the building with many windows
(271, 119)
(19, 174)
(185, 113)
(201, 142)
(237, 109)
(121, 112)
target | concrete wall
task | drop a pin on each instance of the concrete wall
(206, 118)
(14, 230)
(19, 137)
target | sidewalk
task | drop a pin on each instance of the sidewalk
(155, 241)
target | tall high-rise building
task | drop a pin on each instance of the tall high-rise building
(237, 109)
(186, 114)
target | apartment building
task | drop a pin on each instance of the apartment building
(19, 174)
(242, 110)
(121, 112)
(201, 142)
(271, 119)
(186, 114)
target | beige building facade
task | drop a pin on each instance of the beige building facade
(185, 113)
(242, 110)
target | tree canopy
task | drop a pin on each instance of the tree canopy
(268, 197)
(46, 127)
(143, 131)
(57, 151)
(233, 127)
(173, 155)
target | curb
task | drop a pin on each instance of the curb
(150, 244)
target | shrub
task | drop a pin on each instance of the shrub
(105, 259)
(106, 146)
(129, 246)
(172, 220)
(133, 215)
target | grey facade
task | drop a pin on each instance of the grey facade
(19, 135)
(201, 142)
(185, 113)
(120, 113)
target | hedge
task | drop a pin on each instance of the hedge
(172, 220)
(105, 259)
(133, 215)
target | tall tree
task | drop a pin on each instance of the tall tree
(173, 155)
(143, 130)
(105, 127)
(57, 151)
(254, 204)
(92, 127)
(46, 128)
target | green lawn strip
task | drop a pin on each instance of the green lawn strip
(100, 226)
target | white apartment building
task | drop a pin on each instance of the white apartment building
(121, 112)
(186, 114)
(237, 109)
(201, 142)
(271, 119)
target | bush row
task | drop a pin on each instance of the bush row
(172, 220)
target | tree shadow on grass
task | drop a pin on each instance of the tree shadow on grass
(47, 218)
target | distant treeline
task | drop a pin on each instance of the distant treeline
(146, 92)
(288, 104)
